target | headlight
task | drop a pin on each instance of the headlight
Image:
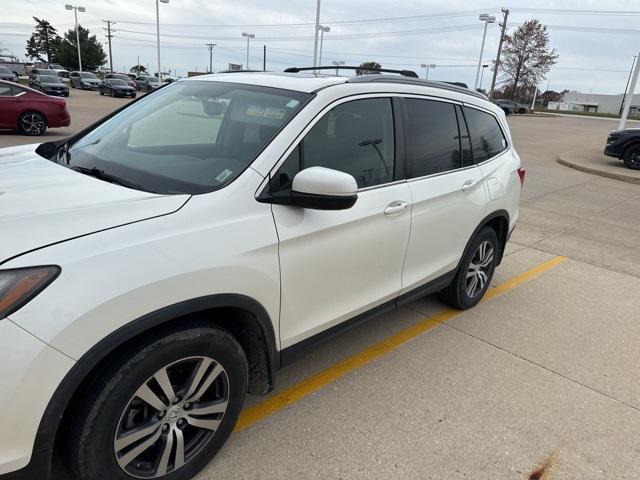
(20, 285)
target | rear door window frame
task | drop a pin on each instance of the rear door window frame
(500, 126)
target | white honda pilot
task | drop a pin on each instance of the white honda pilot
(167, 260)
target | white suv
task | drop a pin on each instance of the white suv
(159, 265)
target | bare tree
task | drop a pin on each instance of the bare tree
(526, 57)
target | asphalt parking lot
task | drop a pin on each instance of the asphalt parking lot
(541, 375)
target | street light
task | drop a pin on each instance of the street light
(427, 67)
(487, 19)
(322, 30)
(158, 35)
(482, 74)
(248, 36)
(75, 11)
(337, 63)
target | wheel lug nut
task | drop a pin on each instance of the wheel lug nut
(161, 414)
(165, 427)
(187, 406)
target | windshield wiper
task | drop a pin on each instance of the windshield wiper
(107, 177)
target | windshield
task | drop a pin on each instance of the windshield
(49, 79)
(116, 81)
(56, 66)
(121, 77)
(188, 137)
(87, 75)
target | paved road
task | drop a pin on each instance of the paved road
(545, 373)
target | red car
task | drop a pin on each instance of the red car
(29, 111)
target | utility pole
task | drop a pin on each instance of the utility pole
(315, 41)
(629, 98)
(264, 58)
(109, 37)
(210, 47)
(505, 15)
(624, 96)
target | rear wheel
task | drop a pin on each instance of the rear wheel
(161, 410)
(631, 157)
(475, 273)
(32, 124)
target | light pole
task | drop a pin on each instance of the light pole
(482, 74)
(75, 11)
(315, 38)
(158, 34)
(322, 31)
(248, 36)
(427, 67)
(487, 19)
(337, 63)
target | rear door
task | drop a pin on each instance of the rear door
(10, 105)
(338, 264)
(446, 189)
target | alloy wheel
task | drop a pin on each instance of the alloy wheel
(171, 417)
(479, 269)
(33, 124)
(634, 158)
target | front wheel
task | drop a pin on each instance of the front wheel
(161, 410)
(631, 157)
(32, 124)
(475, 272)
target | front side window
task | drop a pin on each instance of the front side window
(5, 90)
(190, 137)
(487, 139)
(432, 137)
(355, 137)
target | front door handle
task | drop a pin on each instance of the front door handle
(468, 185)
(396, 207)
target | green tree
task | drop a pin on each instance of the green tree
(367, 68)
(92, 53)
(138, 70)
(526, 57)
(43, 43)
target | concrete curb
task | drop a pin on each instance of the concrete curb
(582, 160)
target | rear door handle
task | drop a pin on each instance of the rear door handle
(468, 185)
(396, 207)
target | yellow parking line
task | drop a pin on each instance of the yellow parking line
(314, 383)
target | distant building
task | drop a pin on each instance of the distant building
(587, 102)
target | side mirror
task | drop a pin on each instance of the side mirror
(320, 188)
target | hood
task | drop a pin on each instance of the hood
(42, 203)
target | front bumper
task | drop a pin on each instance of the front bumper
(613, 150)
(30, 372)
(56, 92)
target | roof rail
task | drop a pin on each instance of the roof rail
(451, 86)
(404, 73)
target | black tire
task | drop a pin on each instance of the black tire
(631, 157)
(32, 124)
(90, 451)
(522, 110)
(506, 111)
(456, 294)
(101, 92)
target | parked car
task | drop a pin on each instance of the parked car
(169, 79)
(14, 64)
(30, 113)
(84, 80)
(146, 83)
(123, 77)
(117, 88)
(53, 67)
(509, 106)
(175, 254)
(8, 75)
(625, 144)
(49, 84)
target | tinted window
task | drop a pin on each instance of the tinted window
(487, 139)
(355, 137)
(191, 137)
(431, 135)
(117, 81)
(5, 90)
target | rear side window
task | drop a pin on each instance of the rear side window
(432, 137)
(487, 139)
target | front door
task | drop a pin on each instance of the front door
(337, 264)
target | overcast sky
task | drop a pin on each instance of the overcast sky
(597, 61)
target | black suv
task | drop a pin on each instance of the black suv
(625, 144)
